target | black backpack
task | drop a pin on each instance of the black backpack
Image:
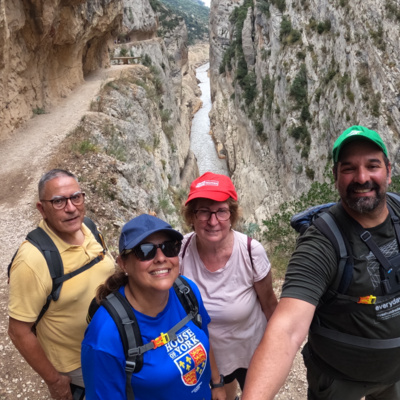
(42, 241)
(124, 318)
(325, 222)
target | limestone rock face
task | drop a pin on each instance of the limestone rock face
(47, 47)
(307, 71)
(139, 21)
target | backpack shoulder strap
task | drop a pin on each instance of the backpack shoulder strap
(42, 241)
(186, 244)
(96, 233)
(249, 239)
(128, 328)
(395, 197)
(187, 299)
(328, 226)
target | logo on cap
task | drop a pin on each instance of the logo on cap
(354, 133)
(207, 183)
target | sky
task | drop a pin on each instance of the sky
(206, 2)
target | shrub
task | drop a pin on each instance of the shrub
(259, 128)
(310, 173)
(318, 93)
(375, 105)
(298, 90)
(279, 4)
(301, 55)
(280, 236)
(305, 114)
(38, 111)
(250, 88)
(263, 6)
(286, 27)
(294, 36)
(86, 146)
(350, 95)
(123, 52)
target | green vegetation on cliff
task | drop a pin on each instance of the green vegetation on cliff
(194, 13)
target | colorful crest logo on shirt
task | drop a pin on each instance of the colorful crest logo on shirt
(192, 364)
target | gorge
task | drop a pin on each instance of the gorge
(201, 142)
(286, 78)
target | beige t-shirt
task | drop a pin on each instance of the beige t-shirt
(237, 321)
(60, 331)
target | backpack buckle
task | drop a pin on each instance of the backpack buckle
(161, 340)
(367, 300)
(130, 366)
(365, 236)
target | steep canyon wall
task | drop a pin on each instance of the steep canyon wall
(131, 150)
(47, 47)
(288, 77)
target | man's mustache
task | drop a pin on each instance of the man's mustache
(365, 186)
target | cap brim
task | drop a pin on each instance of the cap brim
(209, 195)
(171, 232)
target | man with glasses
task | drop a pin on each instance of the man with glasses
(52, 346)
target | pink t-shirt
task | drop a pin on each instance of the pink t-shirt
(237, 321)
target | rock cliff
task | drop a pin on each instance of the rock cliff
(288, 77)
(132, 149)
(46, 50)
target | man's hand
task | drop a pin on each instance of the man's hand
(60, 389)
(28, 345)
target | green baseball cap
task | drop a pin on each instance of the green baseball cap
(354, 133)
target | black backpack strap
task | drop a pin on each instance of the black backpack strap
(61, 279)
(249, 239)
(42, 241)
(395, 197)
(327, 225)
(122, 314)
(352, 340)
(186, 244)
(96, 233)
(187, 299)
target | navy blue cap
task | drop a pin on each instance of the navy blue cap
(139, 228)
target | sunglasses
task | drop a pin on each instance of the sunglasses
(147, 251)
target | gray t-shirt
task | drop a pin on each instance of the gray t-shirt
(311, 271)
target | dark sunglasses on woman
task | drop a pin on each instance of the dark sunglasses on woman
(147, 251)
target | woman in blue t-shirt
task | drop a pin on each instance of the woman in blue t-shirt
(178, 369)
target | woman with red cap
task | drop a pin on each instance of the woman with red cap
(232, 272)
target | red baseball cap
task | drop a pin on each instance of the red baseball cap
(212, 186)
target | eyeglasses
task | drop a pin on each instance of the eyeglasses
(147, 251)
(222, 214)
(59, 202)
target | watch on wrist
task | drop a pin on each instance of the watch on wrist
(219, 384)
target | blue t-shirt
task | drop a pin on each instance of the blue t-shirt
(178, 370)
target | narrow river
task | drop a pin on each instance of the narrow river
(201, 142)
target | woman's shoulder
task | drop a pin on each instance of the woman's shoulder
(247, 241)
(187, 238)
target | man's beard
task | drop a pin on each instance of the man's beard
(366, 204)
